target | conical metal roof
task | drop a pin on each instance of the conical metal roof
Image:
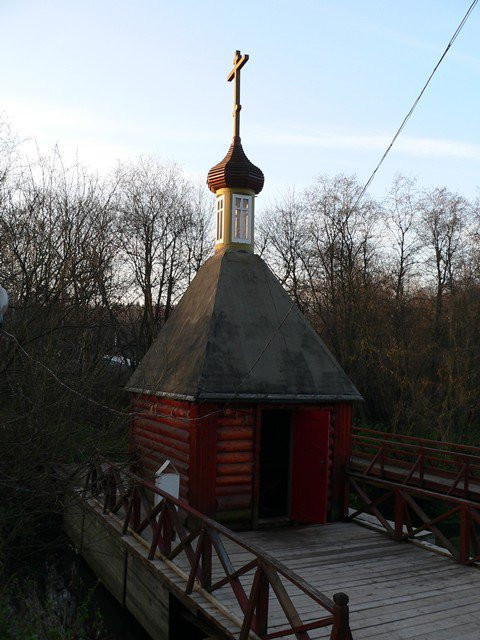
(236, 335)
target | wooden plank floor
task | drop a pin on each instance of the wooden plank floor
(397, 591)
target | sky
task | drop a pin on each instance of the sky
(327, 85)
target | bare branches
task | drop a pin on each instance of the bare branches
(392, 287)
(93, 268)
(162, 229)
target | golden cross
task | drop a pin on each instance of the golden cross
(238, 62)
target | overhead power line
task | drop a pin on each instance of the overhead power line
(415, 103)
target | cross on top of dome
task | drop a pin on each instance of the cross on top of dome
(239, 62)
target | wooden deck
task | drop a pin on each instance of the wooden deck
(397, 590)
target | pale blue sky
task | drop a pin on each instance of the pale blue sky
(327, 84)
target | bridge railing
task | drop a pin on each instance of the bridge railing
(446, 467)
(174, 529)
(415, 484)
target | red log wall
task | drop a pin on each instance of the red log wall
(211, 448)
(160, 429)
(214, 451)
(235, 459)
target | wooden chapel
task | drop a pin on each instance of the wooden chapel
(238, 391)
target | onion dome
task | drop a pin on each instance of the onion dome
(235, 171)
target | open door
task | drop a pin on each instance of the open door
(310, 465)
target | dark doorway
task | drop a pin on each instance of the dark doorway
(274, 463)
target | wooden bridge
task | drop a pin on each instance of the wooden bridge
(273, 583)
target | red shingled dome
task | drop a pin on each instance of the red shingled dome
(235, 171)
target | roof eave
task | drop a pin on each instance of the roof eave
(254, 397)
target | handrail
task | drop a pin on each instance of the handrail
(428, 494)
(452, 469)
(457, 455)
(399, 436)
(464, 547)
(124, 493)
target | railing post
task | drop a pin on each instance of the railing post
(341, 622)
(111, 488)
(87, 485)
(167, 531)
(207, 562)
(466, 483)
(94, 482)
(421, 473)
(399, 514)
(464, 535)
(261, 618)
(136, 509)
(107, 492)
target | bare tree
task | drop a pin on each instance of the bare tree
(162, 228)
(401, 209)
(343, 260)
(443, 216)
(284, 236)
(58, 262)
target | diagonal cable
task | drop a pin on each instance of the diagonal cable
(415, 103)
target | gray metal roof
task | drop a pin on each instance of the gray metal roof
(236, 334)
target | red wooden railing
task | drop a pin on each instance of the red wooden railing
(200, 539)
(446, 467)
(405, 470)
